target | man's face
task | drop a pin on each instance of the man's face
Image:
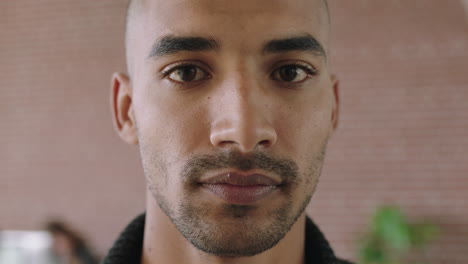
(233, 104)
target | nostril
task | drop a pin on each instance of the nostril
(226, 143)
(245, 136)
(264, 142)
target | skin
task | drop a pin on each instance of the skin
(238, 106)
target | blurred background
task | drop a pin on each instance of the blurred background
(402, 138)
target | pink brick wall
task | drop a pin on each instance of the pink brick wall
(402, 139)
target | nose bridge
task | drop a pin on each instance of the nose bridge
(243, 118)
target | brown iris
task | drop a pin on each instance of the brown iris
(187, 73)
(288, 73)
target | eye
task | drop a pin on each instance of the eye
(186, 73)
(292, 73)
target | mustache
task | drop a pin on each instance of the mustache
(197, 166)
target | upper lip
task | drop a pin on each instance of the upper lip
(237, 178)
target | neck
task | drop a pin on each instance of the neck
(163, 243)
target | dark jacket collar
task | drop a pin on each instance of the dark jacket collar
(128, 247)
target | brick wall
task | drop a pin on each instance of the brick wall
(403, 67)
(402, 139)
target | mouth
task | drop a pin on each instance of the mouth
(238, 188)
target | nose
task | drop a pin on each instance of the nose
(242, 120)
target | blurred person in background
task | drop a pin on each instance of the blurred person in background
(68, 247)
(231, 104)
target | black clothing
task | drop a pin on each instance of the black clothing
(128, 247)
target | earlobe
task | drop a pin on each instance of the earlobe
(336, 105)
(122, 108)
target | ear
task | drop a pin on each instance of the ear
(336, 103)
(122, 108)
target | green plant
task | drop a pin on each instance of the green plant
(392, 237)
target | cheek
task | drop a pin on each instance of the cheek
(303, 127)
(173, 127)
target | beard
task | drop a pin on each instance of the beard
(232, 230)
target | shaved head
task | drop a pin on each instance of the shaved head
(133, 5)
(135, 8)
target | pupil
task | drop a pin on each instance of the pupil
(288, 73)
(187, 74)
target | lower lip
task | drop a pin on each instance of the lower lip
(240, 194)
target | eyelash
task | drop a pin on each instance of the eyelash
(166, 72)
(311, 71)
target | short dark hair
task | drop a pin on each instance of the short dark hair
(58, 227)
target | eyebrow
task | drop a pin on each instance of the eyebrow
(170, 44)
(301, 43)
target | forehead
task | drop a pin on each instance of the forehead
(229, 7)
(240, 23)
